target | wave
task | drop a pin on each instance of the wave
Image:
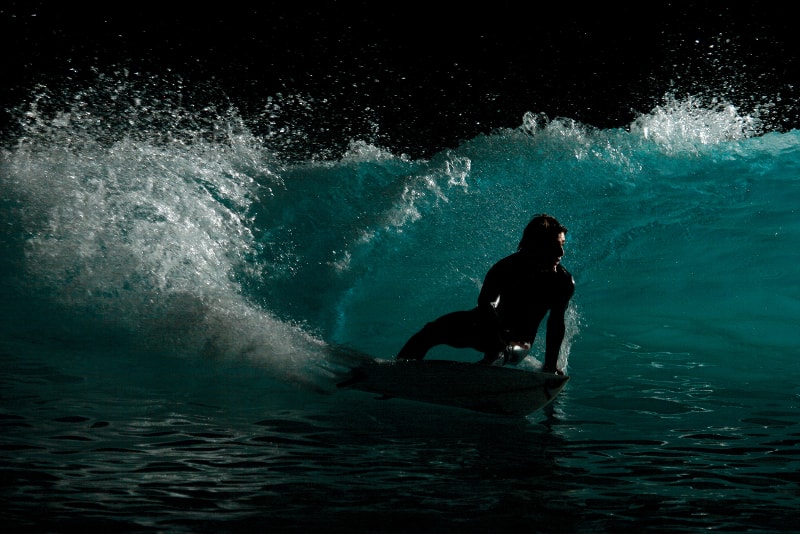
(187, 234)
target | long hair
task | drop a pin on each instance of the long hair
(541, 228)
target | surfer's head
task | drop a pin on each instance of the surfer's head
(543, 238)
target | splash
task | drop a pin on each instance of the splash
(690, 124)
(152, 237)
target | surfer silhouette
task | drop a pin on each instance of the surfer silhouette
(517, 292)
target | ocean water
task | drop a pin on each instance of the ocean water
(179, 299)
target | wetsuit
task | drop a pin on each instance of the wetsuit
(516, 295)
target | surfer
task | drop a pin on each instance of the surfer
(517, 292)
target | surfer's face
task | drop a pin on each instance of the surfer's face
(550, 252)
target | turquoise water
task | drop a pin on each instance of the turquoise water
(175, 300)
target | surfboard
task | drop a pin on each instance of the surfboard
(481, 388)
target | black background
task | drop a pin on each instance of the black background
(428, 74)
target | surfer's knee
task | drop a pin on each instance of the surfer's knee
(415, 348)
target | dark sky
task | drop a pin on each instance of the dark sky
(429, 77)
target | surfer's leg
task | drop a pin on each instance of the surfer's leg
(456, 329)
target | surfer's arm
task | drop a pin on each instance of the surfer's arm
(556, 327)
